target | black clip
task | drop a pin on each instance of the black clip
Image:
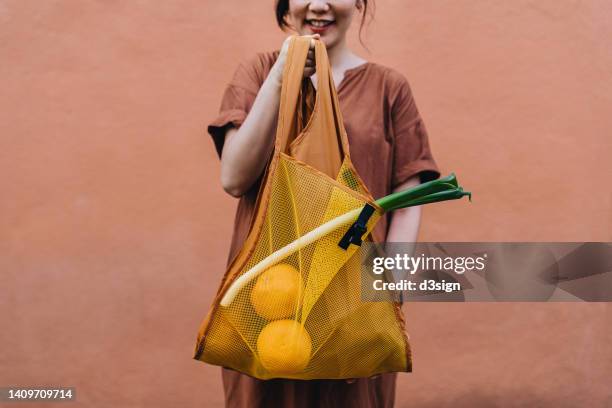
(356, 231)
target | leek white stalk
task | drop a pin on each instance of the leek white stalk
(433, 191)
(287, 250)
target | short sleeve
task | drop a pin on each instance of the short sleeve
(411, 151)
(236, 103)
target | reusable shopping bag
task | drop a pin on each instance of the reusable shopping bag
(289, 305)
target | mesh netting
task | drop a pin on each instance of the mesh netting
(303, 317)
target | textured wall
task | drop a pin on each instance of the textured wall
(114, 228)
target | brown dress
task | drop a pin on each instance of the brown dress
(388, 145)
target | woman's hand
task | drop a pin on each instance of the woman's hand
(244, 150)
(279, 65)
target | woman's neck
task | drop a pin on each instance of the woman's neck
(342, 58)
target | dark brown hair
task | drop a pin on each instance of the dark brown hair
(282, 8)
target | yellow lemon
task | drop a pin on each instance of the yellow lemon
(284, 347)
(276, 292)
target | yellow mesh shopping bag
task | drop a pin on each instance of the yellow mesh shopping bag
(290, 305)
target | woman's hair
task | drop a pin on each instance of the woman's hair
(282, 8)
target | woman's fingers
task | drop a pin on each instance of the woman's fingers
(308, 72)
(313, 38)
(310, 65)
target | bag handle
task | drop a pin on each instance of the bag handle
(326, 108)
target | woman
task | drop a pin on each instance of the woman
(389, 148)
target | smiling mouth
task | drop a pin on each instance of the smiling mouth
(319, 23)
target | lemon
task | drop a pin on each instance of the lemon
(284, 347)
(276, 292)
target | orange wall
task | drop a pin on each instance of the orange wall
(114, 229)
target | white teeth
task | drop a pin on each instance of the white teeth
(319, 23)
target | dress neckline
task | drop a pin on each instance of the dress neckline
(351, 71)
(347, 72)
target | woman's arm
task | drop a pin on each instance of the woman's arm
(405, 222)
(404, 227)
(246, 150)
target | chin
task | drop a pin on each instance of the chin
(329, 42)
